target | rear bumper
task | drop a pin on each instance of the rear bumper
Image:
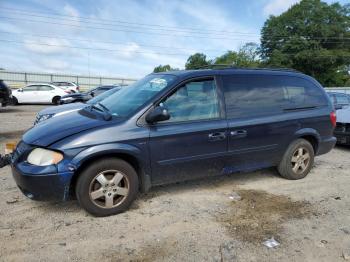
(326, 145)
(43, 187)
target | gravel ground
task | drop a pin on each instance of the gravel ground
(217, 219)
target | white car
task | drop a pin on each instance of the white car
(38, 94)
(71, 86)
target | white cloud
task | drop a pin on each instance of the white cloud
(276, 7)
(55, 65)
(72, 15)
(46, 45)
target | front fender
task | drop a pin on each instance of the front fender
(140, 154)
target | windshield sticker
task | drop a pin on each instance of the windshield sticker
(158, 84)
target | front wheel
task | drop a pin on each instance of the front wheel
(107, 187)
(297, 160)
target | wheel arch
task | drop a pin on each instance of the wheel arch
(54, 98)
(310, 135)
(129, 157)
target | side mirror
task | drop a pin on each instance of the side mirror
(20, 90)
(158, 114)
(92, 94)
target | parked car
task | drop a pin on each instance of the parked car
(5, 94)
(176, 126)
(339, 100)
(341, 103)
(70, 86)
(342, 130)
(50, 112)
(85, 96)
(38, 94)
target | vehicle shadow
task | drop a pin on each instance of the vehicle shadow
(234, 179)
(344, 148)
(10, 110)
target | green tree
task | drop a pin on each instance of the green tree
(163, 68)
(247, 56)
(312, 37)
(196, 61)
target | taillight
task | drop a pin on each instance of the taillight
(333, 117)
(78, 88)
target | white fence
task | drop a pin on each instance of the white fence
(20, 79)
(345, 90)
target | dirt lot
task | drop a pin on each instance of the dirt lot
(193, 221)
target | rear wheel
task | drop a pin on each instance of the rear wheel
(297, 160)
(107, 187)
(56, 100)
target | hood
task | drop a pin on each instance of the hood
(343, 115)
(62, 126)
(62, 108)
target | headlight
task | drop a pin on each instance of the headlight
(44, 157)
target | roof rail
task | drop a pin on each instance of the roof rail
(228, 66)
(217, 66)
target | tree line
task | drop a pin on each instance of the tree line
(312, 37)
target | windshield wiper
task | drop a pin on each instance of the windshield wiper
(104, 108)
(107, 115)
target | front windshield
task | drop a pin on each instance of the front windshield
(127, 100)
(102, 96)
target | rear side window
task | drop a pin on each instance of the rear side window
(45, 88)
(259, 95)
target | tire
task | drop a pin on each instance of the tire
(56, 100)
(295, 164)
(14, 101)
(93, 196)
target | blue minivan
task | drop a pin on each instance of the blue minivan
(176, 126)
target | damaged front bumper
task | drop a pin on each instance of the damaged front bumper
(39, 182)
(48, 186)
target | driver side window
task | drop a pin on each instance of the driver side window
(195, 100)
(30, 88)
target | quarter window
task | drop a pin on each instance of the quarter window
(195, 100)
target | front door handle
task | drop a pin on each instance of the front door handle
(218, 136)
(238, 133)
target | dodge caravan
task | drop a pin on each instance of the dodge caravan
(176, 126)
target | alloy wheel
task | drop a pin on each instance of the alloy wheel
(109, 189)
(300, 160)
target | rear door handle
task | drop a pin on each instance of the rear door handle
(238, 133)
(218, 136)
